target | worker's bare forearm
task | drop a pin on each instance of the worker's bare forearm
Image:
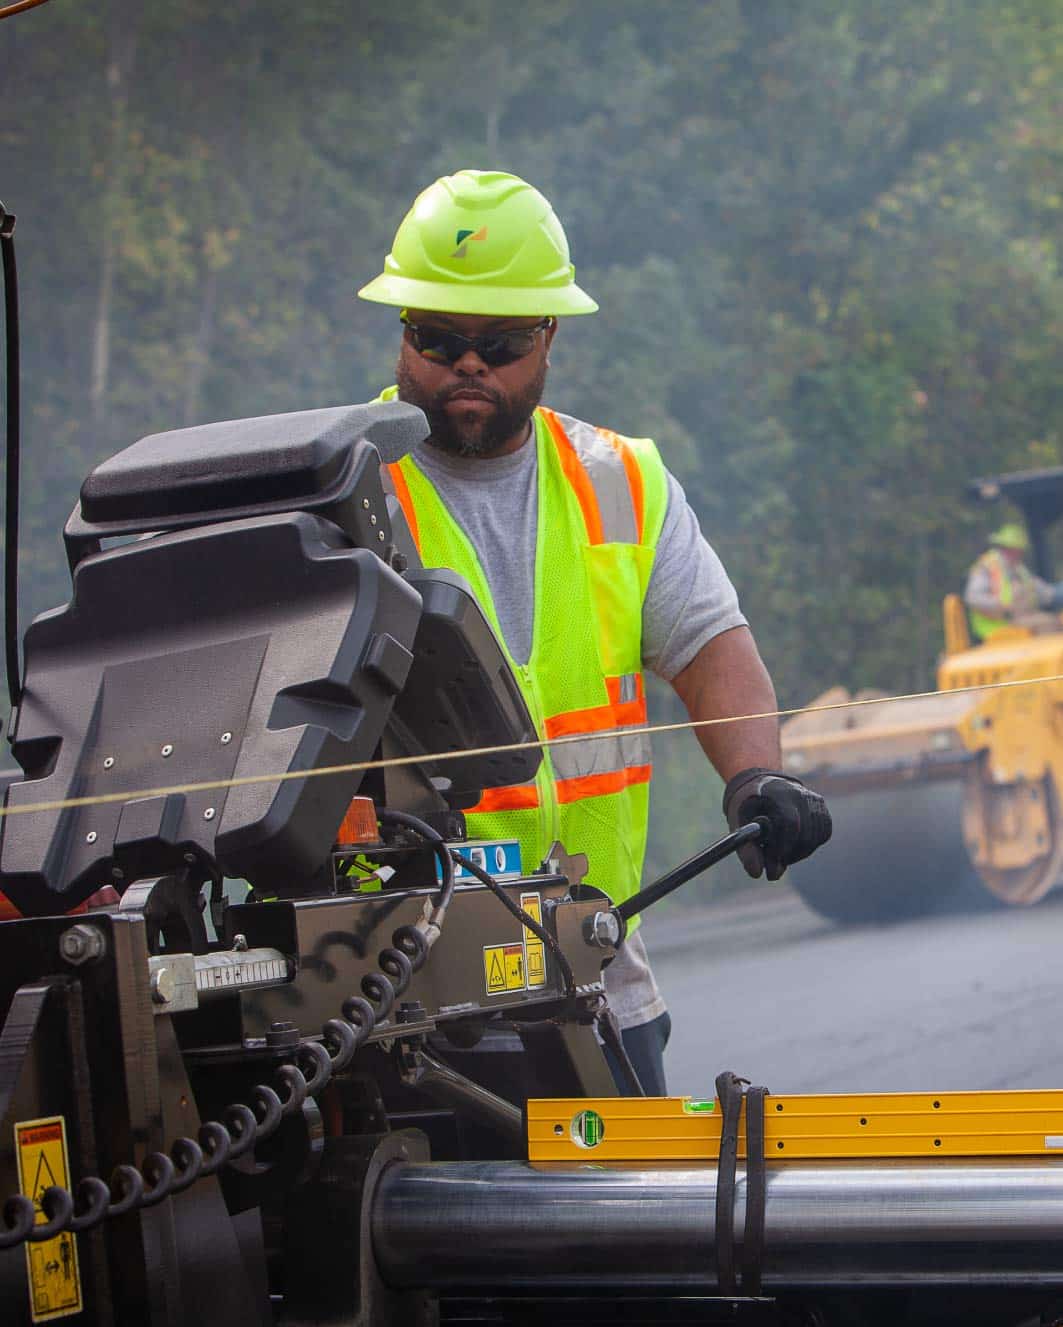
(725, 678)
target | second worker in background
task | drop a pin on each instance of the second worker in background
(1002, 591)
(584, 555)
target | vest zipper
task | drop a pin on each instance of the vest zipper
(549, 817)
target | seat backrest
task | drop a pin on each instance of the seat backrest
(957, 631)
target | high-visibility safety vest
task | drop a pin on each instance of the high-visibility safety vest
(602, 501)
(1007, 581)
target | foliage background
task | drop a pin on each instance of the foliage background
(825, 238)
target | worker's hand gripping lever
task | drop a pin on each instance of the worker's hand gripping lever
(607, 929)
(795, 817)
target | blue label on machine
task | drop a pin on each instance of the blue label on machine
(500, 859)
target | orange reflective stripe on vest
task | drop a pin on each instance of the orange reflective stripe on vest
(600, 785)
(999, 576)
(627, 705)
(515, 797)
(606, 762)
(577, 476)
(401, 490)
(612, 498)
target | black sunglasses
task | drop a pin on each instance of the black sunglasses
(497, 348)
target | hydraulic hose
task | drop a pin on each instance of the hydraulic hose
(524, 917)
(447, 858)
(435, 841)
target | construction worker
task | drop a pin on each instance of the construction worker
(583, 554)
(1002, 591)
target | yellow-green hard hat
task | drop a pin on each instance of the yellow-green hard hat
(1010, 536)
(480, 242)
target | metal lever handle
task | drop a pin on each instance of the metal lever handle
(679, 875)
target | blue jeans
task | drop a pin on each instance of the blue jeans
(645, 1047)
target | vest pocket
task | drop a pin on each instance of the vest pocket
(617, 575)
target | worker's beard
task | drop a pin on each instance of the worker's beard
(472, 433)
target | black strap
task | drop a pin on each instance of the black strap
(729, 1092)
(756, 1191)
(609, 1031)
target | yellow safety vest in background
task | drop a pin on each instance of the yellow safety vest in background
(1003, 577)
(602, 501)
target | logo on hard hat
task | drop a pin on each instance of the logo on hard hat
(466, 237)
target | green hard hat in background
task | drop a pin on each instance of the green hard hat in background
(480, 242)
(1011, 535)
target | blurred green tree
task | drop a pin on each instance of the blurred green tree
(826, 240)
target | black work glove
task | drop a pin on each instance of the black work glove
(798, 819)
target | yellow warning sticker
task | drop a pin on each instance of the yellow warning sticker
(514, 967)
(536, 961)
(494, 969)
(532, 905)
(54, 1276)
(503, 968)
(534, 951)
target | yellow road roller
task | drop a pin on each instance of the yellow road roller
(955, 800)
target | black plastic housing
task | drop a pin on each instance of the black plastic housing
(461, 694)
(253, 644)
(243, 467)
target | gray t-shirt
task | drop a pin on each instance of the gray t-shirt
(689, 600)
(496, 502)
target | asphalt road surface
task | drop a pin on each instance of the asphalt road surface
(760, 985)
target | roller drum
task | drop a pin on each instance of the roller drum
(506, 1225)
(896, 851)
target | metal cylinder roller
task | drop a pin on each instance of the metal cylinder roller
(489, 1225)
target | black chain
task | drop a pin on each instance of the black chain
(162, 1174)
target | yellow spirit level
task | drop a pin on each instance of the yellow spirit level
(892, 1124)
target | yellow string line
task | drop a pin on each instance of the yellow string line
(246, 780)
(19, 7)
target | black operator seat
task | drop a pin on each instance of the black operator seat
(245, 603)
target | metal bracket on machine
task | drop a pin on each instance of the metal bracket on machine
(573, 866)
(80, 1047)
(335, 1278)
